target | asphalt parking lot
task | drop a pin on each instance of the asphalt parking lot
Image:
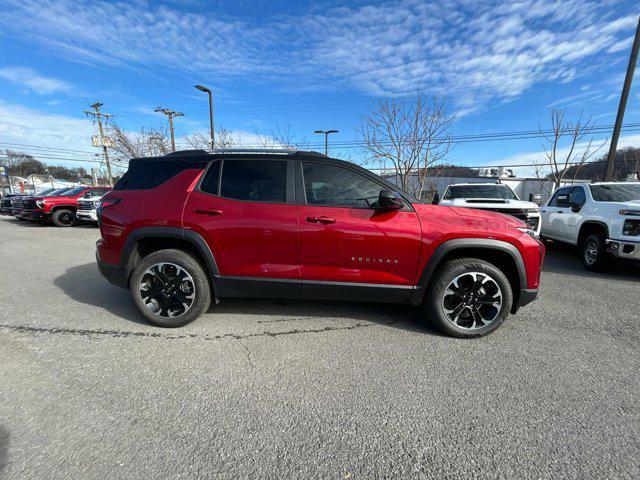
(272, 389)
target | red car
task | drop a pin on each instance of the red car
(60, 206)
(191, 226)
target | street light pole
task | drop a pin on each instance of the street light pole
(211, 129)
(326, 139)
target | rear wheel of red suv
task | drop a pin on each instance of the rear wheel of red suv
(468, 297)
(170, 288)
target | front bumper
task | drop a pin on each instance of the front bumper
(36, 215)
(87, 216)
(623, 249)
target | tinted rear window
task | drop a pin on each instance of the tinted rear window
(149, 174)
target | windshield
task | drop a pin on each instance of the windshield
(46, 192)
(480, 191)
(57, 192)
(74, 191)
(615, 193)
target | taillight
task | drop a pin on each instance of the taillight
(108, 202)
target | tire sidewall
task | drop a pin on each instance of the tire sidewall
(192, 267)
(59, 213)
(445, 276)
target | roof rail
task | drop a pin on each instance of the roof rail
(239, 151)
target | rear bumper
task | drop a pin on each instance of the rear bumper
(114, 274)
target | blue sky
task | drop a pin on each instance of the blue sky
(500, 65)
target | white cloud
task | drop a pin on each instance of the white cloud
(67, 139)
(473, 52)
(27, 78)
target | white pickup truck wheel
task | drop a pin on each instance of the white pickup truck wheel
(594, 253)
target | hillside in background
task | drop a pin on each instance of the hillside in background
(627, 162)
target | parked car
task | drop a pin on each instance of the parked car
(191, 226)
(494, 197)
(29, 206)
(18, 202)
(59, 208)
(87, 205)
(6, 203)
(602, 219)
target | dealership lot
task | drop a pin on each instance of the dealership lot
(308, 389)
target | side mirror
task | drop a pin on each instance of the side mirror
(575, 207)
(436, 199)
(389, 200)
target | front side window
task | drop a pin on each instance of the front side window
(615, 193)
(578, 197)
(502, 192)
(336, 186)
(562, 195)
(254, 180)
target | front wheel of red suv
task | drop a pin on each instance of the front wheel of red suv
(468, 298)
(170, 288)
(63, 218)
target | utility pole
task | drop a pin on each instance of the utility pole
(170, 114)
(326, 139)
(97, 114)
(608, 176)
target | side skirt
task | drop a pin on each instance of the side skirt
(254, 287)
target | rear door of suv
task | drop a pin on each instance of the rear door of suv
(344, 242)
(244, 209)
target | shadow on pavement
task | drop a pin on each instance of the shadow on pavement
(4, 448)
(564, 260)
(85, 284)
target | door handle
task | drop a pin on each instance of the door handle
(321, 219)
(206, 211)
(559, 211)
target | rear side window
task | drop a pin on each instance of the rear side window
(150, 174)
(211, 179)
(254, 180)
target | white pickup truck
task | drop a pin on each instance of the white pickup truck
(602, 219)
(496, 197)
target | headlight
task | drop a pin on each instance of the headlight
(631, 228)
(529, 231)
(40, 203)
(532, 210)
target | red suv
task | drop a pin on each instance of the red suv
(60, 206)
(191, 226)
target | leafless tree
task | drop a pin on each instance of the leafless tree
(201, 140)
(281, 137)
(566, 149)
(411, 134)
(144, 143)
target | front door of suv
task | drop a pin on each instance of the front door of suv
(556, 214)
(245, 211)
(344, 241)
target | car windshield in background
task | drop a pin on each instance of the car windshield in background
(615, 193)
(57, 192)
(480, 191)
(74, 191)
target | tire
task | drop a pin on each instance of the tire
(477, 316)
(593, 253)
(63, 218)
(159, 308)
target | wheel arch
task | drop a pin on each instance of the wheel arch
(502, 254)
(146, 240)
(55, 208)
(589, 227)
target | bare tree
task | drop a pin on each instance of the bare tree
(411, 135)
(565, 155)
(281, 137)
(145, 143)
(201, 139)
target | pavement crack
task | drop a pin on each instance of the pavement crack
(126, 334)
(249, 356)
